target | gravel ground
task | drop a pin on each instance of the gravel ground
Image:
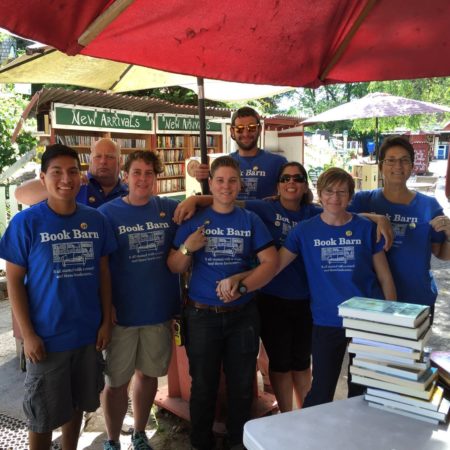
(168, 432)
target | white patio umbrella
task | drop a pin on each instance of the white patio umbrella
(378, 104)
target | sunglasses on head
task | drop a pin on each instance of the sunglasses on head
(252, 128)
(295, 178)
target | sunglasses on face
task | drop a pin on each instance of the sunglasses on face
(252, 128)
(295, 178)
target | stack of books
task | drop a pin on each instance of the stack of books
(388, 341)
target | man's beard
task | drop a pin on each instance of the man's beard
(248, 146)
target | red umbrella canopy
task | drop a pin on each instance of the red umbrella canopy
(279, 42)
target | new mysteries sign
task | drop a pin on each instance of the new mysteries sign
(71, 117)
(184, 124)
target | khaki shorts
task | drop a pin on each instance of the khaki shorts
(147, 348)
(59, 385)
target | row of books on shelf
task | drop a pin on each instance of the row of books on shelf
(388, 341)
(171, 185)
(166, 156)
(132, 143)
(171, 170)
(84, 157)
(76, 140)
(198, 152)
(210, 141)
(171, 155)
(169, 141)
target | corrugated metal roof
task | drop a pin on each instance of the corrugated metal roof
(119, 101)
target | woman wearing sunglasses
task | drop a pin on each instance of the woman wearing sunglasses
(419, 224)
(283, 304)
(286, 321)
(342, 259)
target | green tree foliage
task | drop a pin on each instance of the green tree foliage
(11, 108)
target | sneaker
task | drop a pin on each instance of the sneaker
(140, 441)
(111, 445)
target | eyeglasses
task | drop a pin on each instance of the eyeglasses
(252, 128)
(393, 161)
(330, 193)
(295, 178)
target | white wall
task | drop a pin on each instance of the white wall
(292, 146)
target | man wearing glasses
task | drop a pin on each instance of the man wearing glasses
(259, 168)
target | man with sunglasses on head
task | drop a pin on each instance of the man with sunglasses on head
(259, 168)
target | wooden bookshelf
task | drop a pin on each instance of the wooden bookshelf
(80, 126)
(174, 137)
(83, 140)
(213, 144)
(177, 140)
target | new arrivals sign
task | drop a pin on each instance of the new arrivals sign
(88, 118)
(185, 124)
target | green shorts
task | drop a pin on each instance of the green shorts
(147, 348)
(59, 385)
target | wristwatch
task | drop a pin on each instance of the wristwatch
(184, 250)
(242, 288)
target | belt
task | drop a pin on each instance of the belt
(216, 309)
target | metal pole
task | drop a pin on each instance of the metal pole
(201, 114)
(376, 139)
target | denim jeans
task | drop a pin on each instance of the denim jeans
(214, 339)
(329, 345)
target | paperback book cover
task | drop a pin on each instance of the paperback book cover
(390, 368)
(393, 387)
(391, 330)
(404, 413)
(378, 347)
(385, 345)
(440, 414)
(420, 384)
(433, 404)
(416, 344)
(384, 311)
(383, 357)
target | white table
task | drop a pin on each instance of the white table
(349, 424)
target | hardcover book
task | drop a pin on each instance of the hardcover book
(420, 384)
(433, 404)
(416, 344)
(369, 347)
(404, 413)
(390, 368)
(384, 311)
(440, 414)
(383, 357)
(394, 387)
(391, 330)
